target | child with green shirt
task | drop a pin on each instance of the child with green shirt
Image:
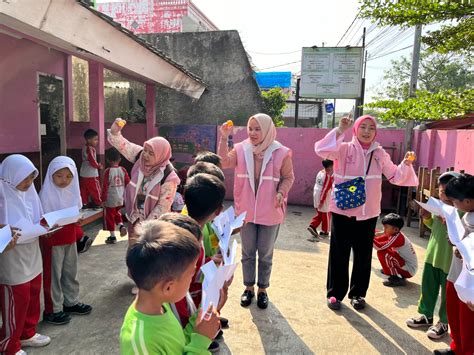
(162, 264)
(437, 262)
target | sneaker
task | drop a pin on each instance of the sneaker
(418, 322)
(313, 239)
(134, 290)
(21, 352)
(214, 347)
(358, 303)
(36, 341)
(58, 318)
(447, 351)
(262, 300)
(224, 322)
(219, 336)
(324, 234)
(95, 207)
(437, 331)
(79, 309)
(394, 281)
(246, 298)
(84, 244)
(334, 303)
(313, 231)
(123, 230)
(111, 240)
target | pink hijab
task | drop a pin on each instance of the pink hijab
(356, 126)
(162, 150)
(268, 131)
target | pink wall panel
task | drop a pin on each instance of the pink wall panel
(20, 62)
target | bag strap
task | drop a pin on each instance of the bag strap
(370, 161)
(168, 170)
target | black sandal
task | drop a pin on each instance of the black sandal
(246, 298)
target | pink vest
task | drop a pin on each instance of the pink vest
(259, 201)
(153, 192)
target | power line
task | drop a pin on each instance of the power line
(355, 18)
(282, 53)
(281, 65)
(385, 54)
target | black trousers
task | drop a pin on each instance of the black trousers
(347, 233)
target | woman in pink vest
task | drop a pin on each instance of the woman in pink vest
(354, 227)
(263, 176)
(146, 196)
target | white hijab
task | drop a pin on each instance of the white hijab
(56, 198)
(16, 204)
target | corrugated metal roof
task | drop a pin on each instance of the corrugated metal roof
(141, 41)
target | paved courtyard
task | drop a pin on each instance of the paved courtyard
(296, 322)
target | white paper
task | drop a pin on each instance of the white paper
(433, 205)
(211, 289)
(29, 231)
(229, 270)
(5, 237)
(456, 230)
(224, 224)
(209, 270)
(466, 248)
(464, 285)
(239, 220)
(229, 257)
(62, 217)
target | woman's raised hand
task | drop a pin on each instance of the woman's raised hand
(117, 126)
(226, 130)
(344, 124)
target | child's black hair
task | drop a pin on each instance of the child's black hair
(394, 220)
(327, 163)
(183, 221)
(163, 252)
(90, 133)
(461, 187)
(208, 157)
(203, 194)
(113, 155)
(447, 177)
(205, 168)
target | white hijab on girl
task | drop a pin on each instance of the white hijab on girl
(17, 204)
(56, 198)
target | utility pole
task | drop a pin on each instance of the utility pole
(297, 100)
(415, 63)
(360, 101)
(334, 115)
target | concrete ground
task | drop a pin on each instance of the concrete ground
(297, 320)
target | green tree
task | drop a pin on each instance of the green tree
(437, 72)
(275, 104)
(457, 35)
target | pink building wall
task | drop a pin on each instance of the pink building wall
(20, 63)
(444, 149)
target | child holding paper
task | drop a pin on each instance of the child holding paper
(21, 267)
(113, 190)
(460, 315)
(435, 271)
(61, 287)
(162, 264)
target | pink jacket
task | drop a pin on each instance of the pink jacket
(350, 162)
(259, 202)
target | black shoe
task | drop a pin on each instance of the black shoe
(84, 244)
(224, 323)
(262, 300)
(447, 351)
(358, 303)
(381, 271)
(334, 304)
(80, 309)
(95, 207)
(246, 298)
(111, 240)
(323, 234)
(313, 231)
(219, 335)
(214, 347)
(394, 281)
(58, 318)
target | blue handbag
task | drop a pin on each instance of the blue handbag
(351, 194)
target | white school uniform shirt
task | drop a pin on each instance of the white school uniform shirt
(456, 263)
(318, 189)
(55, 198)
(23, 263)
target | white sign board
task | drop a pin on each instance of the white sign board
(331, 72)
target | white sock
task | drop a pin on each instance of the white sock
(112, 233)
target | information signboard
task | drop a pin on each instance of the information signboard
(331, 72)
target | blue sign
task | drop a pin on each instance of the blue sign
(268, 80)
(329, 107)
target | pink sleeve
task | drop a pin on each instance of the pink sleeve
(401, 175)
(128, 149)
(288, 177)
(228, 159)
(167, 192)
(328, 147)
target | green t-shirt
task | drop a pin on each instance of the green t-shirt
(162, 334)
(210, 240)
(438, 252)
